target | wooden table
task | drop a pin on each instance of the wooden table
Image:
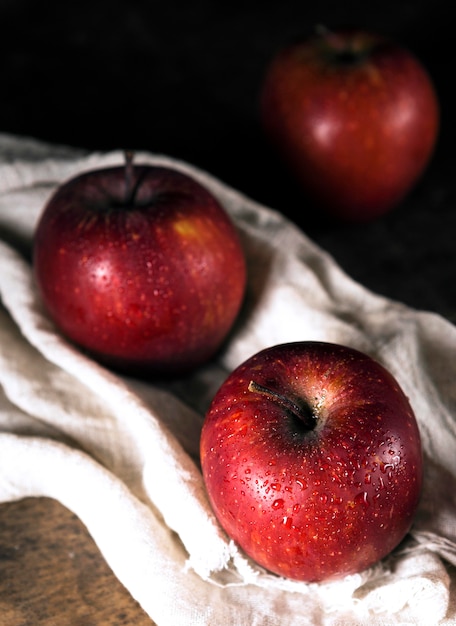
(52, 573)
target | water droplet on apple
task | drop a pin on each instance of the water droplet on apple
(296, 507)
(362, 499)
(287, 521)
(278, 504)
(276, 486)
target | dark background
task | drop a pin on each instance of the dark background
(182, 79)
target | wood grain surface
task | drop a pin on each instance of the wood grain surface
(52, 573)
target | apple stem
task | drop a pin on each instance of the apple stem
(304, 413)
(129, 189)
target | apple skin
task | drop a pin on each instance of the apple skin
(355, 118)
(321, 477)
(140, 266)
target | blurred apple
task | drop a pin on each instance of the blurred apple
(312, 460)
(355, 118)
(141, 266)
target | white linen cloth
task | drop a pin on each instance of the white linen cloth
(123, 454)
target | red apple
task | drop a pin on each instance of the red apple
(141, 266)
(355, 117)
(312, 460)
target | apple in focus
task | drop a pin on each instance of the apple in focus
(355, 118)
(140, 266)
(312, 460)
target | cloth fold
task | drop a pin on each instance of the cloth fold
(122, 453)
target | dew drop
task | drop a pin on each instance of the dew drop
(278, 504)
(386, 467)
(362, 498)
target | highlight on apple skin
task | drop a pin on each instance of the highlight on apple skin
(312, 460)
(355, 118)
(141, 267)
